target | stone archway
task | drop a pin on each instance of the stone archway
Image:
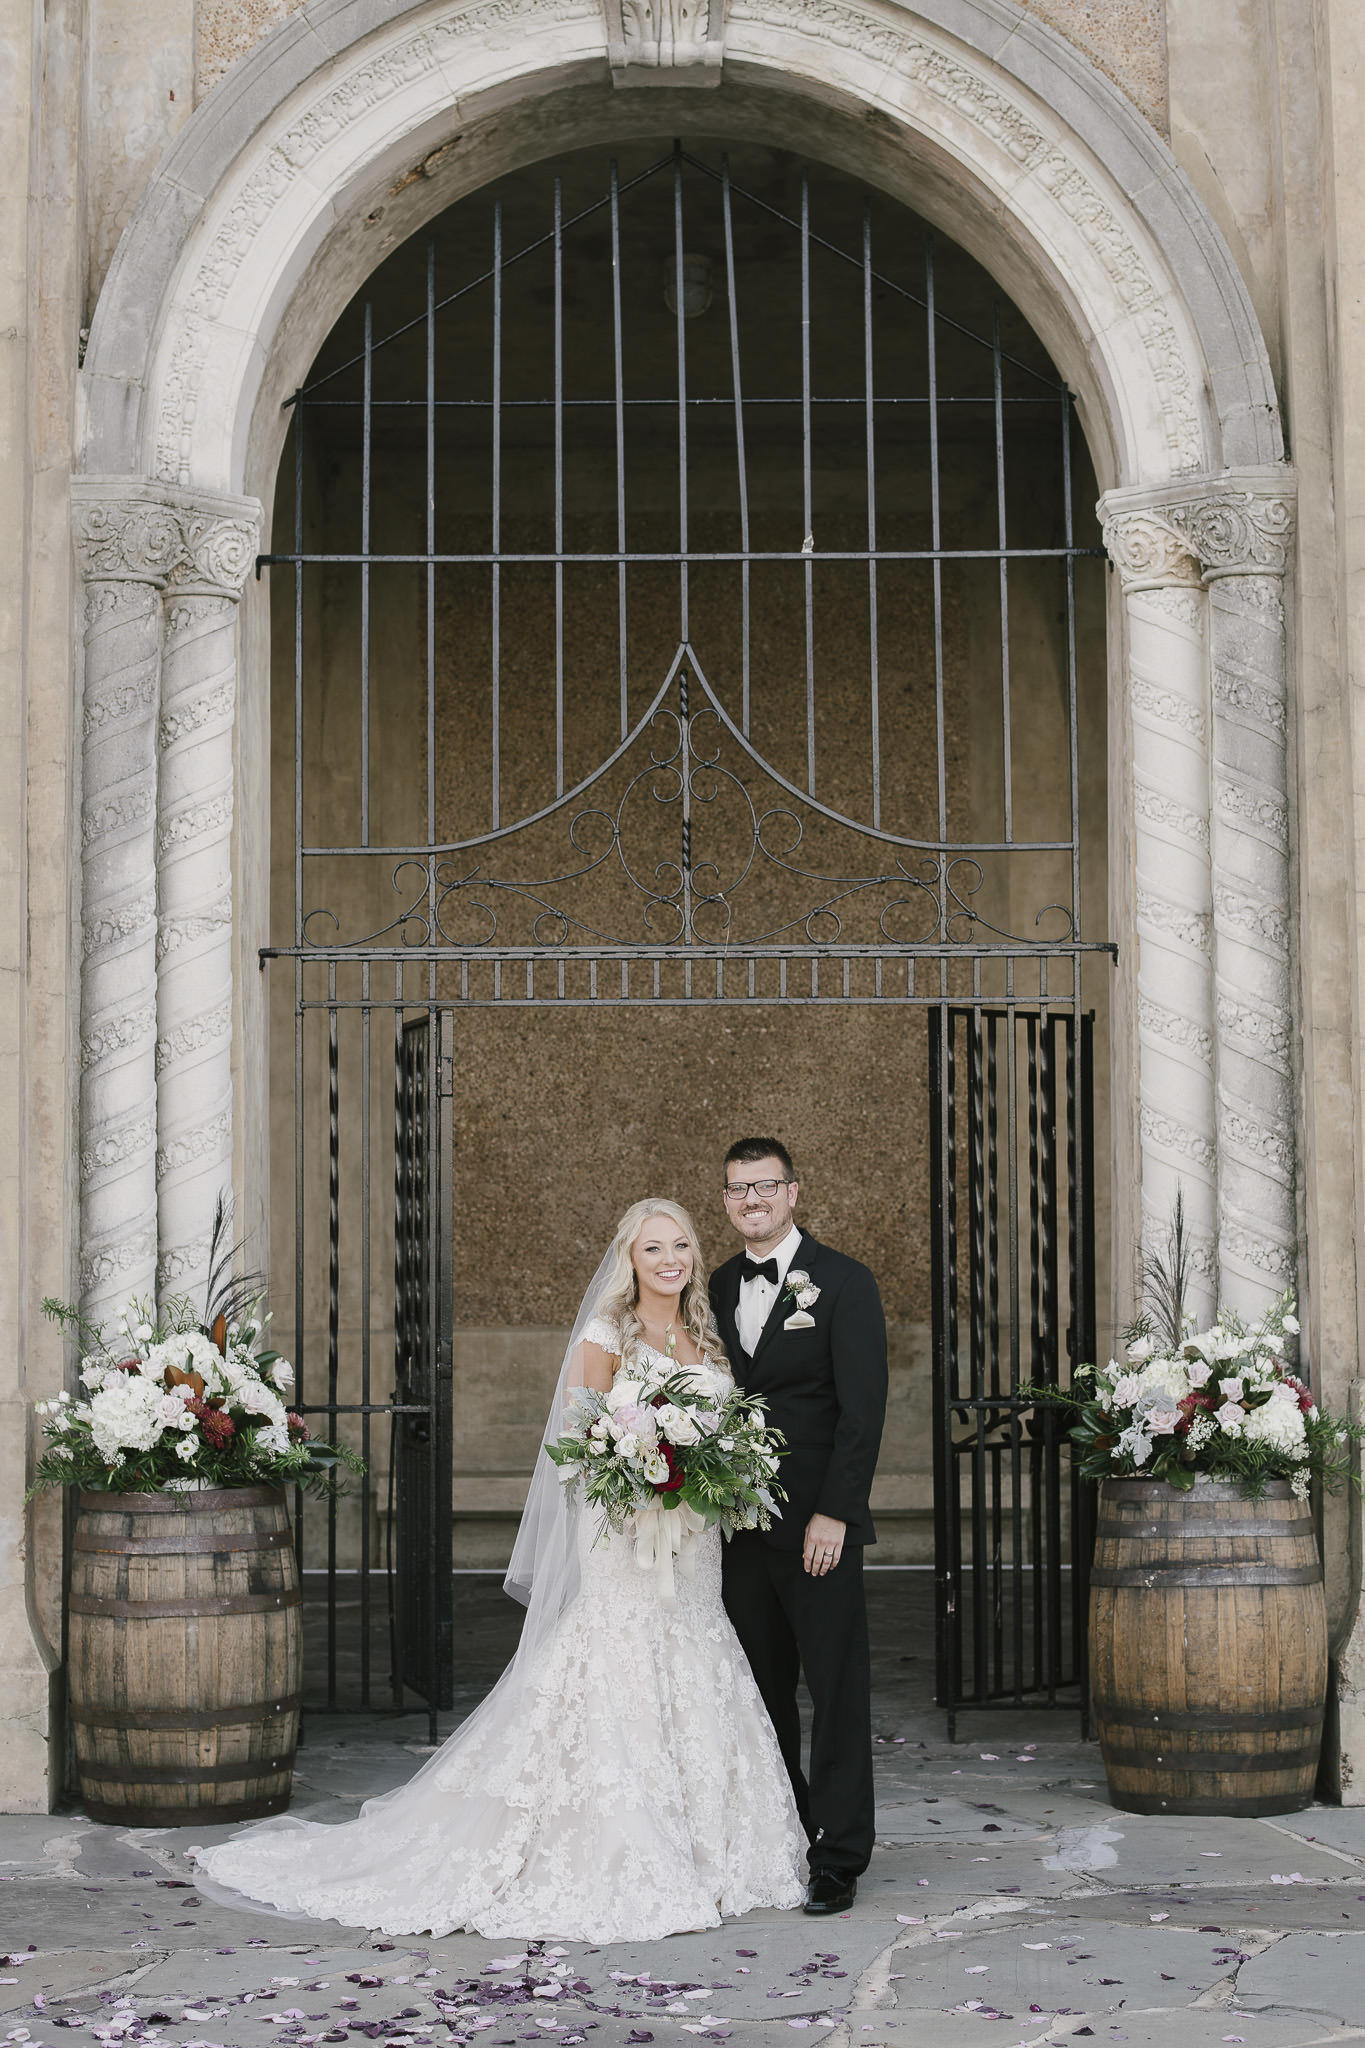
(333, 141)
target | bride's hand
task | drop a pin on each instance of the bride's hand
(824, 1544)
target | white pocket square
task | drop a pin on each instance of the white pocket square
(799, 1320)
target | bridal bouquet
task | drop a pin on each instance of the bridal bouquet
(1220, 1401)
(664, 1457)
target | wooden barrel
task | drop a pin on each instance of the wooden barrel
(186, 1653)
(1208, 1648)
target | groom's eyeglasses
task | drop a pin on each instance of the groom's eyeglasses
(736, 1190)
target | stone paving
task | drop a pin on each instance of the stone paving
(1007, 1903)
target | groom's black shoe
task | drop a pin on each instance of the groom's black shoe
(829, 1892)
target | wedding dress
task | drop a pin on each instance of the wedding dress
(628, 1788)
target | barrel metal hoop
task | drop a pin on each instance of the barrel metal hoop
(218, 1542)
(156, 1774)
(1223, 1724)
(1145, 1529)
(1203, 1494)
(1162, 1576)
(240, 1714)
(1257, 1805)
(210, 1603)
(209, 1502)
(186, 1816)
(1201, 1761)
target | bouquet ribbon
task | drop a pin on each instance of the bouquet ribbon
(661, 1535)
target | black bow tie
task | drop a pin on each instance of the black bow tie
(760, 1269)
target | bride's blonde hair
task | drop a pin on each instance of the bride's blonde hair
(619, 1302)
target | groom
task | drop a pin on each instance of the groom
(815, 1347)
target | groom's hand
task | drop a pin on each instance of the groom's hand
(824, 1544)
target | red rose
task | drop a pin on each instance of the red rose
(675, 1471)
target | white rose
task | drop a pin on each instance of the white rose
(1231, 1418)
(1161, 1421)
(624, 1393)
(676, 1424)
(282, 1373)
(796, 1278)
(627, 1444)
(807, 1297)
(1140, 1349)
(1234, 1386)
(1127, 1388)
(1198, 1374)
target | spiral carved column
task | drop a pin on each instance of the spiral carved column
(1241, 533)
(125, 550)
(162, 571)
(1235, 527)
(1167, 690)
(194, 889)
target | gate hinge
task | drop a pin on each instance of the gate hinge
(445, 1067)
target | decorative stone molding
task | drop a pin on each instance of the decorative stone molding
(665, 42)
(162, 570)
(1233, 533)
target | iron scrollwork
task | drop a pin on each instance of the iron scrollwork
(687, 891)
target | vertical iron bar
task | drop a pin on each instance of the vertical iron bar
(807, 513)
(1048, 1248)
(1038, 1500)
(365, 1486)
(947, 1619)
(936, 531)
(559, 486)
(618, 367)
(1083, 1525)
(497, 516)
(333, 1304)
(365, 485)
(981, 1585)
(871, 434)
(741, 464)
(1006, 732)
(401, 1269)
(300, 1305)
(431, 567)
(680, 317)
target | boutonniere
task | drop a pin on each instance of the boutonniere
(802, 1295)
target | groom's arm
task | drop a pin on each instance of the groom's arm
(858, 1354)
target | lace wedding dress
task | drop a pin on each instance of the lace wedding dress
(634, 1790)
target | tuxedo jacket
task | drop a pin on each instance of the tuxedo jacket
(825, 1388)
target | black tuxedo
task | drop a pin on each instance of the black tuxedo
(826, 1391)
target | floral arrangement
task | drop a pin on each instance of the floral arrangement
(1221, 1402)
(663, 1440)
(173, 1403)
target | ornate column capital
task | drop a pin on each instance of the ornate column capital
(665, 42)
(130, 531)
(1238, 523)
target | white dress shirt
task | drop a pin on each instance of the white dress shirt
(756, 1296)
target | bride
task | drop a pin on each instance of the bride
(622, 1781)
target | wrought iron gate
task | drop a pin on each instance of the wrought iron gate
(1013, 1256)
(701, 819)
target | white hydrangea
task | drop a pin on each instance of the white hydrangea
(1279, 1425)
(1163, 1383)
(125, 1416)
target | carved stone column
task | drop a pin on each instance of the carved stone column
(126, 546)
(194, 889)
(1236, 526)
(1240, 530)
(156, 911)
(1167, 693)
